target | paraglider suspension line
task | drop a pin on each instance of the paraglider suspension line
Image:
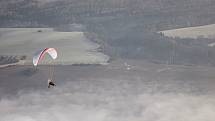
(51, 71)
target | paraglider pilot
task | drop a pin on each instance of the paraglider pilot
(51, 83)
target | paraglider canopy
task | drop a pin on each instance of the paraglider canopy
(40, 54)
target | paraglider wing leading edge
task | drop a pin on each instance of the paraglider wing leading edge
(38, 56)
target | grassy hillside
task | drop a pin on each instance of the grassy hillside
(206, 31)
(72, 47)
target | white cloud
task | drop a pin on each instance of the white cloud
(66, 103)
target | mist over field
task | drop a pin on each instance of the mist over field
(111, 93)
(118, 60)
(64, 105)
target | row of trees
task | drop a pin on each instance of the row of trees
(64, 11)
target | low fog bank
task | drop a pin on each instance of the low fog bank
(85, 102)
(145, 92)
(62, 104)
